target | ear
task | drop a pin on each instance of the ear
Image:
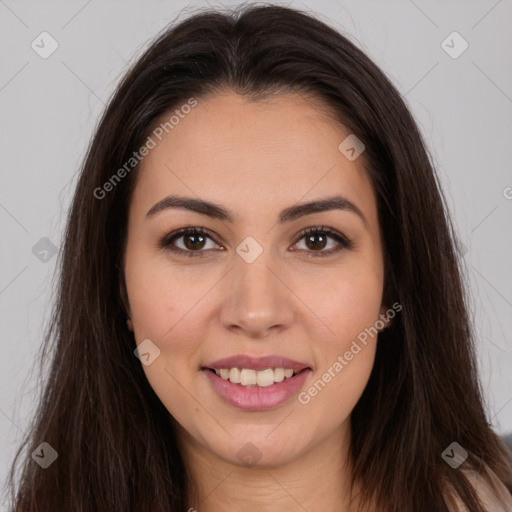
(123, 295)
(384, 318)
(124, 301)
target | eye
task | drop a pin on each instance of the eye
(316, 239)
(193, 240)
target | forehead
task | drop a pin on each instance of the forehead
(254, 156)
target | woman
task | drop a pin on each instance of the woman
(260, 304)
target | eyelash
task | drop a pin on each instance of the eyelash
(343, 241)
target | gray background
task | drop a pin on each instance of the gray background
(50, 107)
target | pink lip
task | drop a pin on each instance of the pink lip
(256, 398)
(256, 363)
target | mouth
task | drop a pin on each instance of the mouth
(250, 378)
(256, 390)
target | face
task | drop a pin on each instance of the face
(258, 279)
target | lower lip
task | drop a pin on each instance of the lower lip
(256, 398)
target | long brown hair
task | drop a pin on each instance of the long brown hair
(116, 446)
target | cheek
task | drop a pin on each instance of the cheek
(345, 357)
(170, 308)
(350, 307)
(349, 303)
(161, 299)
(165, 308)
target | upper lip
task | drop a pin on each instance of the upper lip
(256, 363)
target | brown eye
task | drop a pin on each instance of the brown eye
(188, 241)
(317, 239)
(194, 241)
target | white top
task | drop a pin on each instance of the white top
(498, 499)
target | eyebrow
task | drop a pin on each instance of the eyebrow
(216, 211)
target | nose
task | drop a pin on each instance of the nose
(258, 300)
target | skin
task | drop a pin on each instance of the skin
(255, 159)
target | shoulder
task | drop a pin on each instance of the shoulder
(494, 495)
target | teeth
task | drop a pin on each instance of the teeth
(261, 378)
(278, 374)
(265, 378)
(234, 375)
(248, 377)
